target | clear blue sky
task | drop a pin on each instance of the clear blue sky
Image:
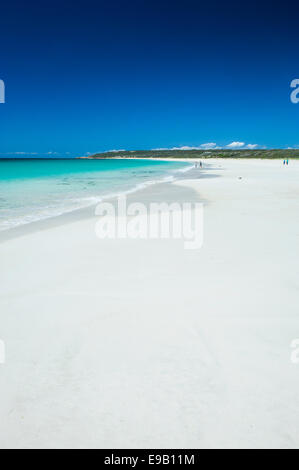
(89, 76)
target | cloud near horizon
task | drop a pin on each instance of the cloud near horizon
(212, 146)
(184, 147)
(236, 144)
(207, 146)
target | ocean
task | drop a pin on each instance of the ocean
(36, 189)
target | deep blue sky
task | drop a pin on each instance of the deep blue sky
(87, 76)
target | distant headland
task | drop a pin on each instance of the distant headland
(215, 153)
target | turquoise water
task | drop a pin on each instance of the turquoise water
(32, 190)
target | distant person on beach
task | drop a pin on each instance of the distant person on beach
(284, 162)
(287, 162)
(200, 164)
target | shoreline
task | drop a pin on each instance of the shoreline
(88, 211)
(82, 212)
(85, 213)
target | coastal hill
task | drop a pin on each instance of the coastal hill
(216, 153)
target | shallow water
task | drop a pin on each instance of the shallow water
(32, 190)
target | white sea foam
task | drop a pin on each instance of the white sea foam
(185, 169)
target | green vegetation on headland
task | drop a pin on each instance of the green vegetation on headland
(216, 153)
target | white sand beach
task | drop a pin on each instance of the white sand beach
(142, 343)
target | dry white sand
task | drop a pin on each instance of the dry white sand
(138, 343)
